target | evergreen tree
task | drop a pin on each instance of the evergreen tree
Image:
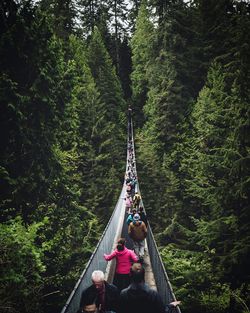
(109, 142)
(142, 53)
(62, 14)
(125, 68)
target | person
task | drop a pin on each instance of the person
(143, 216)
(137, 230)
(128, 203)
(124, 258)
(103, 294)
(139, 298)
(136, 200)
(128, 189)
(133, 184)
(130, 217)
(128, 178)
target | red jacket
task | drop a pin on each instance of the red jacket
(124, 260)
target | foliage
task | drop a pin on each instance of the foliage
(193, 152)
(142, 49)
(22, 266)
(59, 170)
(64, 67)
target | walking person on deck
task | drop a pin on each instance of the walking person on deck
(124, 259)
(139, 298)
(103, 294)
(137, 231)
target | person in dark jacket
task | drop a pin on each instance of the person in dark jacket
(139, 298)
(103, 294)
(143, 216)
(130, 217)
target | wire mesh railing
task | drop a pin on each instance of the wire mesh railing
(161, 278)
(163, 284)
(97, 262)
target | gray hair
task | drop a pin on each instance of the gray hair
(97, 276)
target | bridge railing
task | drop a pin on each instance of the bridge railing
(160, 275)
(96, 261)
(161, 278)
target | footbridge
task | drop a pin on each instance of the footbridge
(155, 274)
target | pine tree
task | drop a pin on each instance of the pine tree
(109, 142)
(142, 54)
(62, 15)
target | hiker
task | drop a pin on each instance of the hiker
(130, 217)
(143, 216)
(103, 294)
(136, 200)
(128, 203)
(124, 259)
(137, 231)
(139, 298)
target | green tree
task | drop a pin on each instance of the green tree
(22, 267)
(142, 54)
(110, 136)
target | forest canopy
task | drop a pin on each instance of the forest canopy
(68, 71)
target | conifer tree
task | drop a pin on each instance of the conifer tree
(142, 54)
(109, 143)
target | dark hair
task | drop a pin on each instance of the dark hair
(121, 241)
(121, 244)
(137, 273)
(120, 247)
(88, 300)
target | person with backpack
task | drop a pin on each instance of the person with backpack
(137, 231)
(124, 259)
(130, 217)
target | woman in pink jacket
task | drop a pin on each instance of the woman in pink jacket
(124, 259)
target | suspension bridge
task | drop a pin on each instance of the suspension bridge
(155, 274)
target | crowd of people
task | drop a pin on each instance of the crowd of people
(136, 220)
(128, 293)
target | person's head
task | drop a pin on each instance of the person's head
(98, 279)
(137, 273)
(136, 217)
(134, 211)
(90, 308)
(121, 244)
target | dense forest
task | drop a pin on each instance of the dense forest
(68, 71)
